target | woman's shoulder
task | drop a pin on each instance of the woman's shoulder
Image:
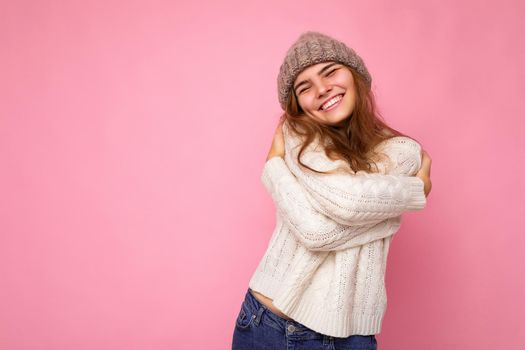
(403, 141)
(399, 141)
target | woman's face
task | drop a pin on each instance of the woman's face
(326, 92)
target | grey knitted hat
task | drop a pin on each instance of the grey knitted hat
(312, 48)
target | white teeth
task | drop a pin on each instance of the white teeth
(331, 102)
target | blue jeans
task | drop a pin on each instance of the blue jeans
(258, 328)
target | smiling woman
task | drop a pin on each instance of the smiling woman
(320, 283)
(332, 80)
(328, 96)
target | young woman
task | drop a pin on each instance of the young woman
(340, 179)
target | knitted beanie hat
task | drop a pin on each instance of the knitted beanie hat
(312, 48)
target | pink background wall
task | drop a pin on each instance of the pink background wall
(133, 135)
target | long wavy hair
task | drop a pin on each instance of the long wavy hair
(352, 140)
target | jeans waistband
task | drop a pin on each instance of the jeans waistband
(291, 327)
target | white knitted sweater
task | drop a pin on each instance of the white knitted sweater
(325, 262)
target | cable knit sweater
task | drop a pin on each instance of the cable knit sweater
(325, 262)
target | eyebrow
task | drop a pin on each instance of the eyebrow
(318, 73)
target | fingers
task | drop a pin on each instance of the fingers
(425, 156)
(279, 128)
(426, 161)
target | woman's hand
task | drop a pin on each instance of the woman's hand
(277, 149)
(424, 171)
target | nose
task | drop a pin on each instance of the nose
(323, 88)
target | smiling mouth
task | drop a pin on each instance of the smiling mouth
(335, 105)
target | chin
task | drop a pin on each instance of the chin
(339, 119)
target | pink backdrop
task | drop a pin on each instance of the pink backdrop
(132, 139)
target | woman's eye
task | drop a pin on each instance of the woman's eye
(303, 90)
(330, 73)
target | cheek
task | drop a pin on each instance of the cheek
(344, 81)
(306, 103)
(352, 96)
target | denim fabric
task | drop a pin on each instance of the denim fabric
(258, 328)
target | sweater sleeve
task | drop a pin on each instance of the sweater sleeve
(404, 155)
(361, 198)
(312, 228)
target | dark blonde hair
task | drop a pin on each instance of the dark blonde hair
(354, 139)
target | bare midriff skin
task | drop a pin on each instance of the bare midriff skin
(269, 304)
